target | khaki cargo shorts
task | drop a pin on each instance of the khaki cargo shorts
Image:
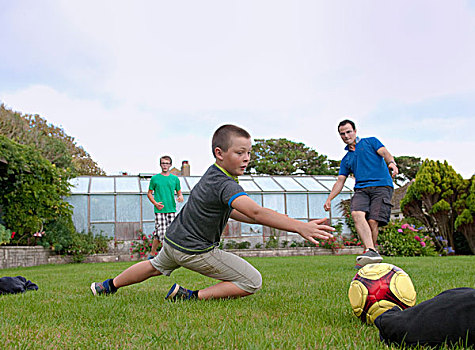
(216, 264)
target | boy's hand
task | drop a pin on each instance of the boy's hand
(328, 205)
(159, 206)
(315, 229)
(180, 198)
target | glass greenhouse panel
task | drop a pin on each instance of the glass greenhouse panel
(148, 228)
(327, 183)
(102, 184)
(310, 184)
(102, 208)
(79, 185)
(316, 202)
(350, 183)
(127, 184)
(148, 212)
(144, 183)
(267, 184)
(179, 206)
(79, 204)
(256, 198)
(297, 205)
(192, 181)
(128, 208)
(184, 185)
(103, 229)
(345, 230)
(336, 209)
(249, 186)
(251, 229)
(289, 184)
(274, 202)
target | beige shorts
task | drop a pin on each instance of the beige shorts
(216, 264)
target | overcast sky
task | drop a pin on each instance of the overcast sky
(133, 80)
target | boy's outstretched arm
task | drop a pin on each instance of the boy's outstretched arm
(264, 216)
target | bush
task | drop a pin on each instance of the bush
(32, 190)
(84, 244)
(58, 234)
(243, 245)
(5, 235)
(403, 239)
(61, 236)
(142, 246)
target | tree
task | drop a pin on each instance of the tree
(52, 142)
(31, 189)
(432, 197)
(408, 167)
(285, 157)
(465, 206)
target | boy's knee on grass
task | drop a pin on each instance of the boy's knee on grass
(253, 285)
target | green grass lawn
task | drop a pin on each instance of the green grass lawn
(303, 305)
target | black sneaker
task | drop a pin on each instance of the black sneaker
(101, 288)
(177, 292)
(370, 256)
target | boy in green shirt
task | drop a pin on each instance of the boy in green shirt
(161, 192)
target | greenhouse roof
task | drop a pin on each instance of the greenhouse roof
(250, 183)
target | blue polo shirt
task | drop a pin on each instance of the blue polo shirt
(368, 167)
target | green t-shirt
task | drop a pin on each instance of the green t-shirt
(164, 188)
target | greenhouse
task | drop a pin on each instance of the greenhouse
(118, 207)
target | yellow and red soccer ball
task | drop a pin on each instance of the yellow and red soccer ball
(377, 288)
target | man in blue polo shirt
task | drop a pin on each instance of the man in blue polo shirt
(370, 162)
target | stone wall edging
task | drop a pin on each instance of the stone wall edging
(26, 256)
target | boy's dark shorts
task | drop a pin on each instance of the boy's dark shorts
(375, 201)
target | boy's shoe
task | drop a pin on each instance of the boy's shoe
(101, 288)
(370, 256)
(177, 292)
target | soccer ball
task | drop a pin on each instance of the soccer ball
(377, 288)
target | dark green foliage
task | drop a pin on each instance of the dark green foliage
(84, 244)
(402, 239)
(285, 157)
(465, 206)
(344, 206)
(5, 235)
(408, 167)
(58, 234)
(31, 189)
(62, 237)
(432, 198)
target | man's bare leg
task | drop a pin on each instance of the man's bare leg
(363, 228)
(374, 226)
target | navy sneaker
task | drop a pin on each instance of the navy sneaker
(370, 256)
(101, 288)
(177, 292)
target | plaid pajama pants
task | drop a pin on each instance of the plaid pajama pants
(162, 221)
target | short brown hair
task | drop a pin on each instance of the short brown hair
(222, 136)
(167, 158)
(346, 121)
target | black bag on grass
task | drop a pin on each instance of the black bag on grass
(448, 317)
(13, 285)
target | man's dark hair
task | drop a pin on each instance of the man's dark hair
(222, 136)
(166, 158)
(346, 121)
